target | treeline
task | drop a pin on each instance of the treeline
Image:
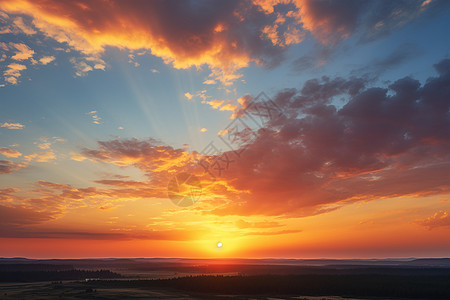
(27, 267)
(399, 286)
(264, 269)
(29, 276)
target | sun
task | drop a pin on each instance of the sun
(219, 245)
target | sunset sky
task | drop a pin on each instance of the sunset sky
(103, 103)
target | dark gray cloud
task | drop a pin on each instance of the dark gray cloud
(384, 142)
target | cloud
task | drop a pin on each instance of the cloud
(225, 36)
(287, 231)
(25, 28)
(45, 143)
(148, 155)
(15, 25)
(335, 20)
(222, 104)
(46, 60)
(210, 81)
(99, 67)
(123, 183)
(439, 219)
(7, 166)
(4, 46)
(230, 107)
(385, 17)
(9, 152)
(215, 104)
(18, 231)
(95, 117)
(77, 157)
(203, 130)
(304, 63)
(316, 157)
(331, 21)
(81, 67)
(401, 54)
(19, 214)
(12, 73)
(41, 157)
(377, 145)
(15, 219)
(12, 125)
(188, 95)
(242, 224)
(383, 142)
(20, 220)
(23, 51)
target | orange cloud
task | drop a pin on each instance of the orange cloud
(12, 73)
(215, 103)
(46, 60)
(12, 125)
(223, 40)
(311, 164)
(23, 27)
(230, 107)
(9, 152)
(41, 157)
(439, 219)
(225, 36)
(23, 51)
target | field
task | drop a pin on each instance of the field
(79, 290)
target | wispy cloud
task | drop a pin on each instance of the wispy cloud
(95, 117)
(41, 157)
(81, 67)
(12, 125)
(45, 143)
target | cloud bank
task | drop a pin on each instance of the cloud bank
(225, 36)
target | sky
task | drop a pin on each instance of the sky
(279, 128)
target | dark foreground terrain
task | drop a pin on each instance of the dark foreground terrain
(224, 279)
(239, 287)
